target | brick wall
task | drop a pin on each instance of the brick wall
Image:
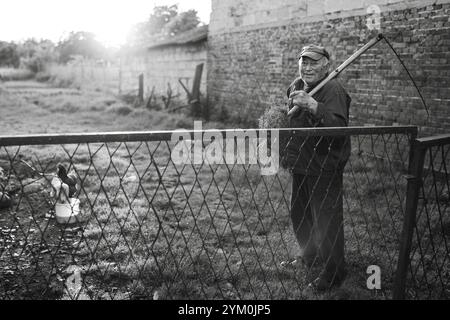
(235, 15)
(251, 62)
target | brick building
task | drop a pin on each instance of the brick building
(253, 47)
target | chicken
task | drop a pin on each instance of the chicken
(69, 179)
(64, 186)
(5, 200)
(60, 190)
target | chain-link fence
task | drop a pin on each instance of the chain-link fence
(149, 227)
(425, 248)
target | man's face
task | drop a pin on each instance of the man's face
(311, 70)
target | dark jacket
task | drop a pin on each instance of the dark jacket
(320, 155)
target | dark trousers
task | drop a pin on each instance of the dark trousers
(317, 218)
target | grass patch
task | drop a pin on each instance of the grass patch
(12, 74)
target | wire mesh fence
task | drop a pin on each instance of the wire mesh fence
(146, 227)
(428, 222)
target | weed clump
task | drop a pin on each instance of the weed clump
(120, 109)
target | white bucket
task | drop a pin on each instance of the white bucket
(67, 212)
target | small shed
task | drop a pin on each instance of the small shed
(176, 58)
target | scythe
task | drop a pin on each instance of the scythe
(349, 61)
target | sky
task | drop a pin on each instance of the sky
(109, 20)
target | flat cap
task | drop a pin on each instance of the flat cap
(314, 52)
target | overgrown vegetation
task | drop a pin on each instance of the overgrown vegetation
(164, 22)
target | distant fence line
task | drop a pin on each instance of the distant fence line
(122, 77)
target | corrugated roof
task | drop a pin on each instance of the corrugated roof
(191, 36)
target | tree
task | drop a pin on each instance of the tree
(35, 55)
(160, 17)
(80, 43)
(164, 22)
(184, 21)
(9, 55)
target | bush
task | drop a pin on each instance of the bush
(9, 55)
(42, 76)
(129, 98)
(120, 109)
(34, 64)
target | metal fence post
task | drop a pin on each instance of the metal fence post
(413, 137)
(412, 198)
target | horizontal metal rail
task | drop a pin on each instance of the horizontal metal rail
(438, 140)
(68, 138)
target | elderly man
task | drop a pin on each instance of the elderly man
(317, 164)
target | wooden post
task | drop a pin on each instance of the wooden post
(195, 97)
(141, 89)
(120, 75)
(149, 101)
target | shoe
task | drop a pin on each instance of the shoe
(307, 262)
(326, 281)
(289, 263)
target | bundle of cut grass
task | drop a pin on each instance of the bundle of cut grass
(275, 117)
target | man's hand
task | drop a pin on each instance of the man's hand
(303, 100)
